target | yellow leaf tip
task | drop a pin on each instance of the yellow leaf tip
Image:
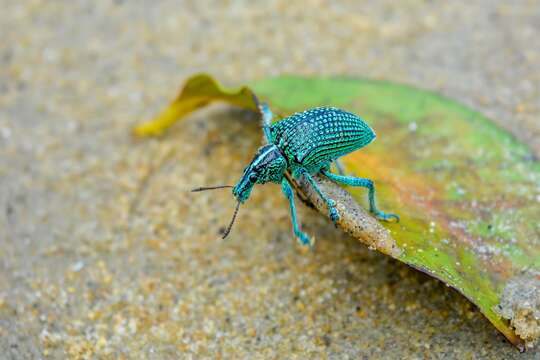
(146, 129)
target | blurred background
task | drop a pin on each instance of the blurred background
(106, 255)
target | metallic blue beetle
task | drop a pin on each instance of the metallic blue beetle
(305, 144)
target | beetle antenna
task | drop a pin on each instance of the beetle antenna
(211, 188)
(226, 233)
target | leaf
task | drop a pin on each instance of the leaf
(199, 91)
(467, 192)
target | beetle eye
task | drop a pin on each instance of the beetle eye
(253, 178)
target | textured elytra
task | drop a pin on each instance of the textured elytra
(315, 137)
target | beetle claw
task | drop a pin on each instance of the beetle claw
(334, 215)
(387, 217)
(305, 241)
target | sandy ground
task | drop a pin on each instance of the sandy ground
(106, 255)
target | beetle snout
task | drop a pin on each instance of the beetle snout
(242, 189)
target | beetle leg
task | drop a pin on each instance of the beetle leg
(266, 121)
(289, 194)
(334, 216)
(367, 183)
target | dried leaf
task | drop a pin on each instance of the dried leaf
(199, 91)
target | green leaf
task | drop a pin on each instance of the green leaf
(467, 192)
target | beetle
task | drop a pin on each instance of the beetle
(305, 144)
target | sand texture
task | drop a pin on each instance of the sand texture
(106, 254)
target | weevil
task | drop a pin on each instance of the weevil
(305, 144)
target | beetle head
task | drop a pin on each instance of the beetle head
(268, 165)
